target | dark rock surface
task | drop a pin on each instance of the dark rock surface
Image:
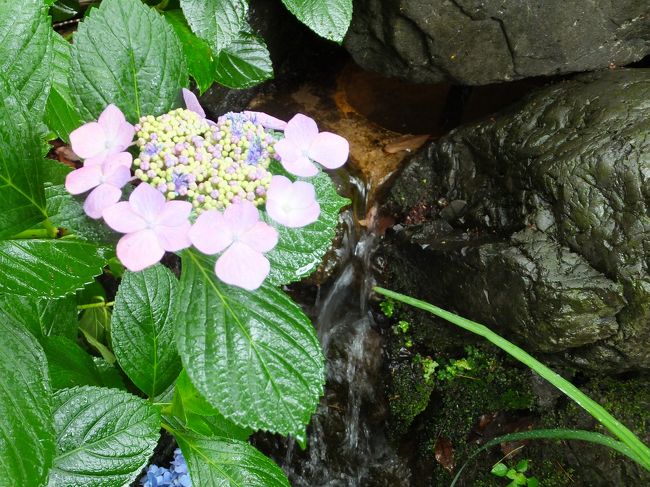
(479, 42)
(536, 222)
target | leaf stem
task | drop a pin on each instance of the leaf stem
(102, 304)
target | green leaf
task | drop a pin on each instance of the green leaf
(244, 63)
(61, 116)
(69, 364)
(228, 463)
(329, 19)
(48, 268)
(142, 328)
(199, 416)
(218, 22)
(522, 466)
(41, 317)
(200, 60)
(22, 200)
(500, 470)
(66, 213)
(25, 53)
(253, 355)
(520, 479)
(300, 250)
(127, 54)
(110, 375)
(104, 436)
(26, 433)
(533, 482)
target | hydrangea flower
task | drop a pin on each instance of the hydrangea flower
(244, 238)
(110, 134)
(292, 204)
(151, 224)
(303, 144)
(176, 476)
(107, 178)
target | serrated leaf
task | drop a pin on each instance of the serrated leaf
(61, 115)
(48, 268)
(300, 251)
(199, 416)
(218, 462)
(199, 56)
(70, 365)
(329, 19)
(25, 51)
(104, 437)
(500, 470)
(142, 328)
(41, 317)
(253, 355)
(26, 433)
(22, 200)
(127, 54)
(110, 375)
(218, 22)
(66, 212)
(244, 63)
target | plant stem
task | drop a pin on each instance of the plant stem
(102, 304)
(641, 451)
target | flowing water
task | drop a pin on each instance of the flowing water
(347, 445)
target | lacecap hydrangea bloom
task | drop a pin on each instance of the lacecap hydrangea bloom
(201, 183)
(177, 475)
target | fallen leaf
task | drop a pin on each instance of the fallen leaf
(444, 452)
(406, 143)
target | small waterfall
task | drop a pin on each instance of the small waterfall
(347, 445)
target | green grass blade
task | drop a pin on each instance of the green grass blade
(553, 434)
(640, 451)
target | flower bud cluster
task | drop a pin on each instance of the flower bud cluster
(211, 165)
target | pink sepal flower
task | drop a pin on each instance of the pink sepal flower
(152, 226)
(267, 121)
(110, 134)
(292, 204)
(108, 179)
(303, 144)
(244, 238)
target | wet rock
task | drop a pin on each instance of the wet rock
(480, 42)
(551, 243)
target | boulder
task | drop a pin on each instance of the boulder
(536, 221)
(479, 42)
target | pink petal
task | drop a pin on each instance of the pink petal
(174, 213)
(101, 198)
(121, 218)
(242, 266)
(210, 233)
(122, 158)
(192, 103)
(88, 140)
(147, 202)
(266, 121)
(261, 237)
(301, 130)
(116, 174)
(293, 160)
(139, 250)
(330, 150)
(97, 160)
(173, 238)
(119, 132)
(82, 179)
(293, 205)
(240, 217)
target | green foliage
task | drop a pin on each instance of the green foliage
(515, 474)
(244, 63)
(127, 54)
(22, 199)
(387, 307)
(26, 433)
(253, 356)
(115, 429)
(48, 268)
(142, 329)
(329, 19)
(41, 317)
(218, 22)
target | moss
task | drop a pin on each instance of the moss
(409, 393)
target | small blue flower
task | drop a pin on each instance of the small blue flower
(176, 476)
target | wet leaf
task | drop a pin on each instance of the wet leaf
(41, 317)
(218, 22)
(244, 63)
(444, 453)
(70, 365)
(101, 433)
(253, 355)
(329, 19)
(127, 54)
(26, 433)
(142, 328)
(228, 463)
